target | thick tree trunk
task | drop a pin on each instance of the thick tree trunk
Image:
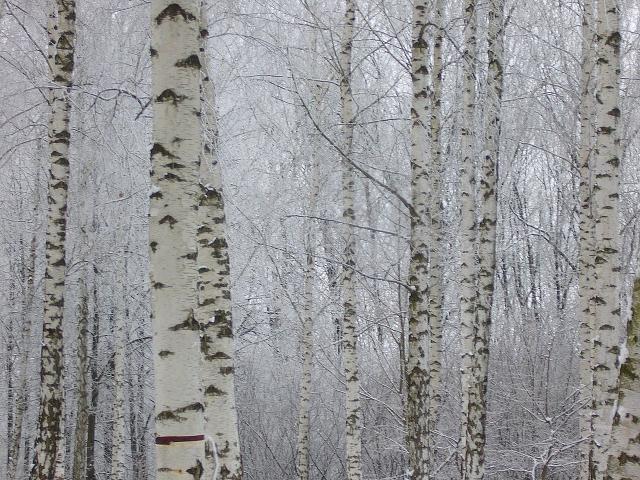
(624, 455)
(49, 448)
(350, 336)
(213, 310)
(605, 198)
(586, 254)
(175, 162)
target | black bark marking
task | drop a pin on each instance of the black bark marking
(213, 391)
(159, 149)
(190, 323)
(192, 61)
(168, 219)
(172, 12)
(169, 95)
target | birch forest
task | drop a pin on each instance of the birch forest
(319, 239)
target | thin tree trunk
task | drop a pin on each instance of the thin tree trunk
(94, 392)
(624, 456)
(476, 408)
(213, 310)
(175, 162)
(306, 350)
(436, 263)
(23, 366)
(118, 464)
(304, 423)
(605, 198)
(468, 272)
(417, 360)
(49, 448)
(82, 415)
(79, 465)
(586, 253)
(350, 337)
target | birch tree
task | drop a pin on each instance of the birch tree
(586, 256)
(118, 462)
(606, 237)
(624, 456)
(306, 340)
(476, 408)
(350, 336)
(175, 162)
(435, 218)
(49, 447)
(213, 310)
(15, 436)
(304, 419)
(418, 364)
(468, 274)
(304, 408)
(82, 408)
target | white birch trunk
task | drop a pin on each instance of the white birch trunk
(476, 409)
(79, 463)
(304, 421)
(82, 415)
(172, 235)
(605, 198)
(49, 447)
(118, 461)
(23, 365)
(350, 336)
(436, 263)
(418, 345)
(586, 255)
(213, 310)
(306, 343)
(624, 456)
(468, 271)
